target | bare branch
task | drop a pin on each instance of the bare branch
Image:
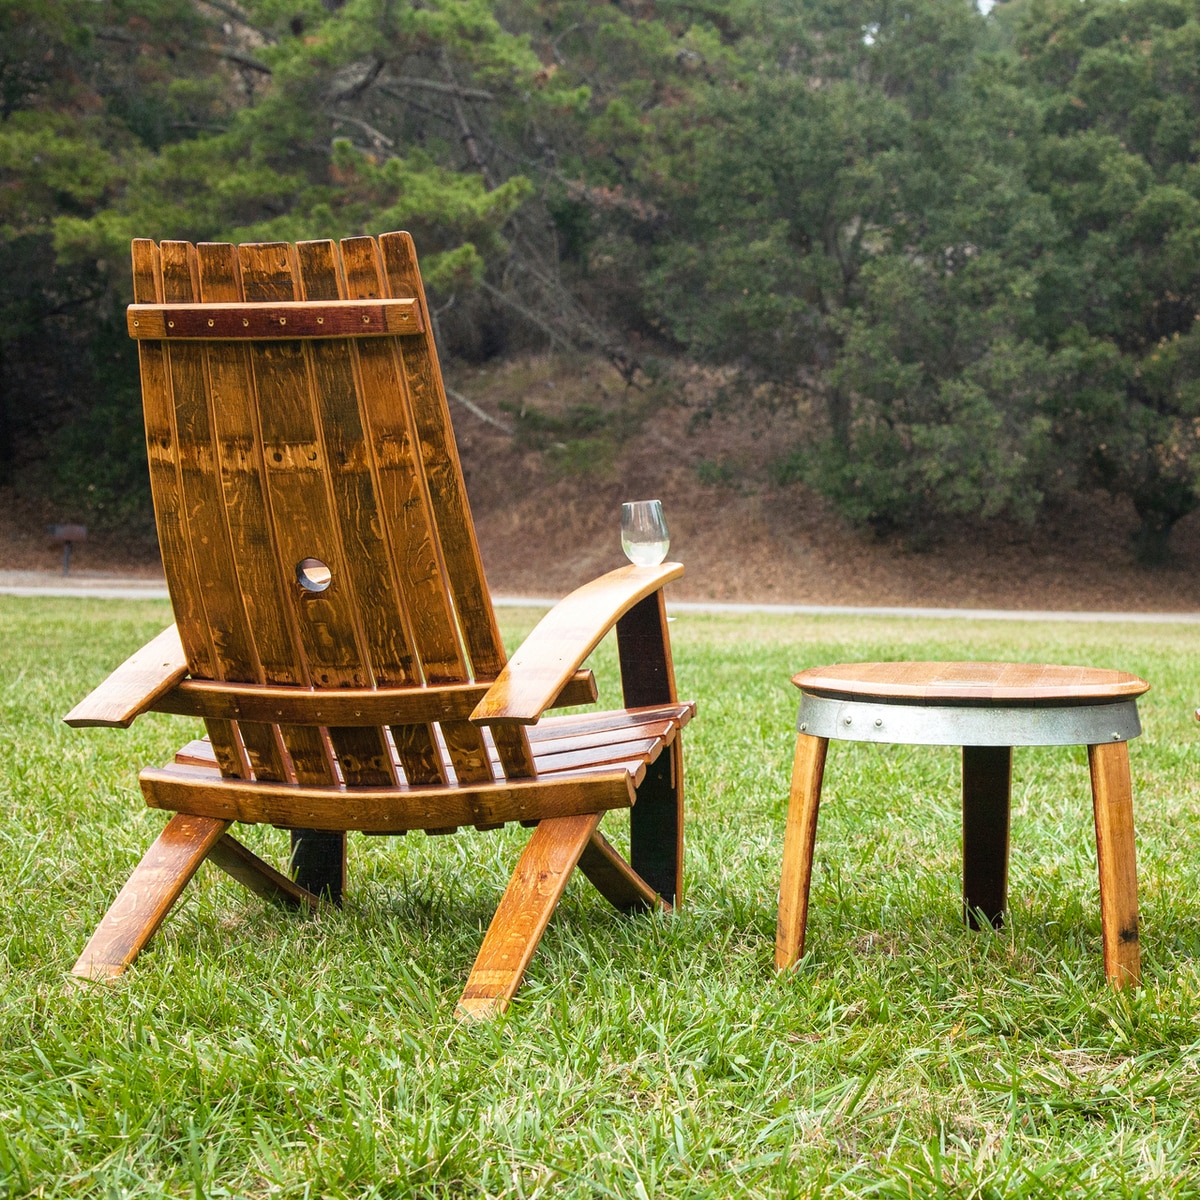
(392, 83)
(468, 137)
(472, 407)
(555, 337)
(380, 139)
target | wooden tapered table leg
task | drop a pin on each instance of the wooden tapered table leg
(1112, 801)
(156, 883)
(525, 910)
(986, 791)
(808, 769)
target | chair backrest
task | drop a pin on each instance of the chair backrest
(310, 504)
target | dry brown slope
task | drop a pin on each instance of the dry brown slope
(549, 519)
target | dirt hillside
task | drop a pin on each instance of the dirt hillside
(548, 515)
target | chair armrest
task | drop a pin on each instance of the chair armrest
(563, 639)
(134, 686)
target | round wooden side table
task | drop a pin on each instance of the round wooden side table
(987, 709)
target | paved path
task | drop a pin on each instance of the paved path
(114, 587)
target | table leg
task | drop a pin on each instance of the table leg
(986, 789)
(808, 768)
(1112, 801)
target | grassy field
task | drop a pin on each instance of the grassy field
(252, 1052)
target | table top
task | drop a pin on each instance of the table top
(970, 683)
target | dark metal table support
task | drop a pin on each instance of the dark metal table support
(986, 789)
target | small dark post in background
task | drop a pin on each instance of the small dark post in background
(67, 535)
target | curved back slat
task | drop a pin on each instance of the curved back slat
(266, 454)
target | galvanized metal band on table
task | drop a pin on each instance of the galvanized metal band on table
(955, 725)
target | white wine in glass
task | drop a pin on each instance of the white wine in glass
(644, 536)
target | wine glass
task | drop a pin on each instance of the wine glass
(644, 536)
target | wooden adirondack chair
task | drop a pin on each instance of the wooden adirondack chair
(333, 626)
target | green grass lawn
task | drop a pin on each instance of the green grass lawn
(254, 1052)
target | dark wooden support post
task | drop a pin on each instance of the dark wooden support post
(656, 820)
(986, 789)
(319, 862)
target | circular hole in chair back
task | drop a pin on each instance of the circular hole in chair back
(313, 575)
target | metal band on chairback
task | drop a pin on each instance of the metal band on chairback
(279, 319)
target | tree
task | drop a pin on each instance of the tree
(1118, 162)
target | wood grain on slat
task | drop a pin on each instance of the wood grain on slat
(156, 883)
(158, 410)
(296, 705)
(456, 532)
(303, 522)
(374, 599)
(190, 790)
(563, 638)
(970, 682)
(552, 727)
(159, 414)
(263, 585)
(647, 749)
(134, 686)
(204, 497)
(241, 322)
(199, 753)
(203, 520)
(403, 462)
(525, 910)
(599, 729)
(659, 730)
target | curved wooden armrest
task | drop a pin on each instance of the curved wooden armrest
(563, 639)
(134, 686)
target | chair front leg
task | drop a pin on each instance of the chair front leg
(142, 904)
(525, 910)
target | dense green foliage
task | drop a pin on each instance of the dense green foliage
(974, 241)
(253, 1052)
